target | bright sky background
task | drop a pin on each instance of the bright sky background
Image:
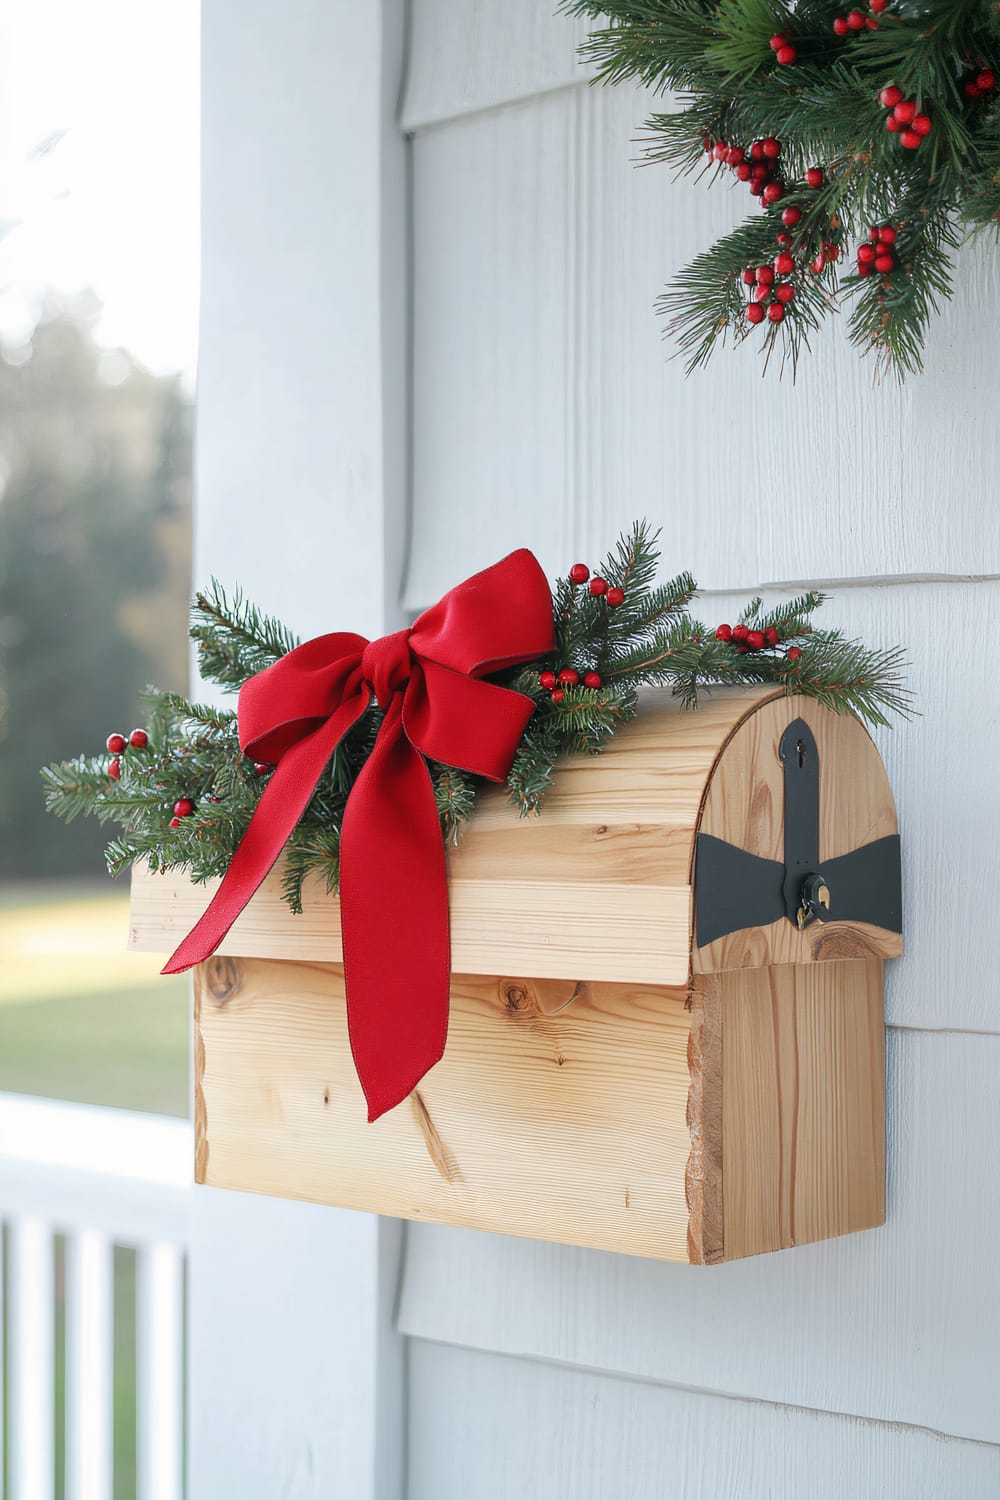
(99, 168)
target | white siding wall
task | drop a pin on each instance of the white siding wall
(545, 411)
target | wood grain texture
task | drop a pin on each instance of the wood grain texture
(745, 806)
(517, 1428)
(803, 1103)
(899, 1324)
(542, 385)
(559, 1109)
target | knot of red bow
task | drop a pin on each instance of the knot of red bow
(393, 876)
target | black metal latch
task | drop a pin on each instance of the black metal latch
(735, 889)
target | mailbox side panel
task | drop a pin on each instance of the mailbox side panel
(559, 1111)
(802, 1102)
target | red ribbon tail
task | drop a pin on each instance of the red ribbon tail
(281, 806)
(394, 914)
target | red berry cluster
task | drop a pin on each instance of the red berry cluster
(744, 640)
(555, 685)
(856, 20)
(770, 296)
(783, 49)
(117, 744)
(579, 573)
(983, 83)
(903, 117)
(183, 808)
(877, 256)
(829, 253)
(758, 166)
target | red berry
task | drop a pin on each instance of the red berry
(215, 799)
(261, 767)
(579, 572)
(971, 89)
(866, 254)
(776, 312)
(909, 139)
(183, 807)
(138, 739)
(616, 597)
(735, 157)
(558, 695)
(764, 275)
(887, 235)
(855, 20)
(785, 292)
(832, 252)
(891, 123)
(757, 151)
(755, 639)
(114, 768)
(743, 171)
(771, 147)
(755, 313)
(904, 111)
(923, 124)
(760, 171)
(771, 636)
(817, 264)
(783, 239)
(724, 633)
(791, 217)
(592, 680)
(740, 632)
(985, 81)
(547, 680)
(598, 587)
(568, 678)
(840, 26)
(787, 55)
(890, 96)
(784, 263)
(814, 177)
(749, 276)
(761, 293)
(865, 269)
(872, 25)
(773, 193)
(756, 188)
(878, 6)
(175, 822)
(720, 151)
(116, 743)
(873, 233)
(793, 653)
(884, 264)
(777, 42)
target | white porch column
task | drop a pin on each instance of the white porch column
(296, 1367)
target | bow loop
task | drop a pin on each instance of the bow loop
(393, 886)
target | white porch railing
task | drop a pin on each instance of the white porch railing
(103, 1178)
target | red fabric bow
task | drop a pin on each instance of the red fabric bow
(393, 876)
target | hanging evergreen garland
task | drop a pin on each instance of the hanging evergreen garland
(183, 792)
(869, 135)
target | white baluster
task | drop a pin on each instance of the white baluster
(89, 1365)
(30, 1370)
(159, 1373)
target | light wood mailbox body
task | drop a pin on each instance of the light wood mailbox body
(607, 1082)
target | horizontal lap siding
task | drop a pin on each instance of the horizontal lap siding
(547, 407)
(547, 411)
(517, 1430)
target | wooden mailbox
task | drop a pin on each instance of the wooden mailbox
(666, 1030)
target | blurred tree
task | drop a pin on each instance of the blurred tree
(95, 539)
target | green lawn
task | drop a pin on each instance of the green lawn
(81, 1017)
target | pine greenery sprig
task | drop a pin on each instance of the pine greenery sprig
(645, 637)
(824, 108)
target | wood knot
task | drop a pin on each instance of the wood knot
(840, 941)
(516, 996)
(223, 979)
(600, 830)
